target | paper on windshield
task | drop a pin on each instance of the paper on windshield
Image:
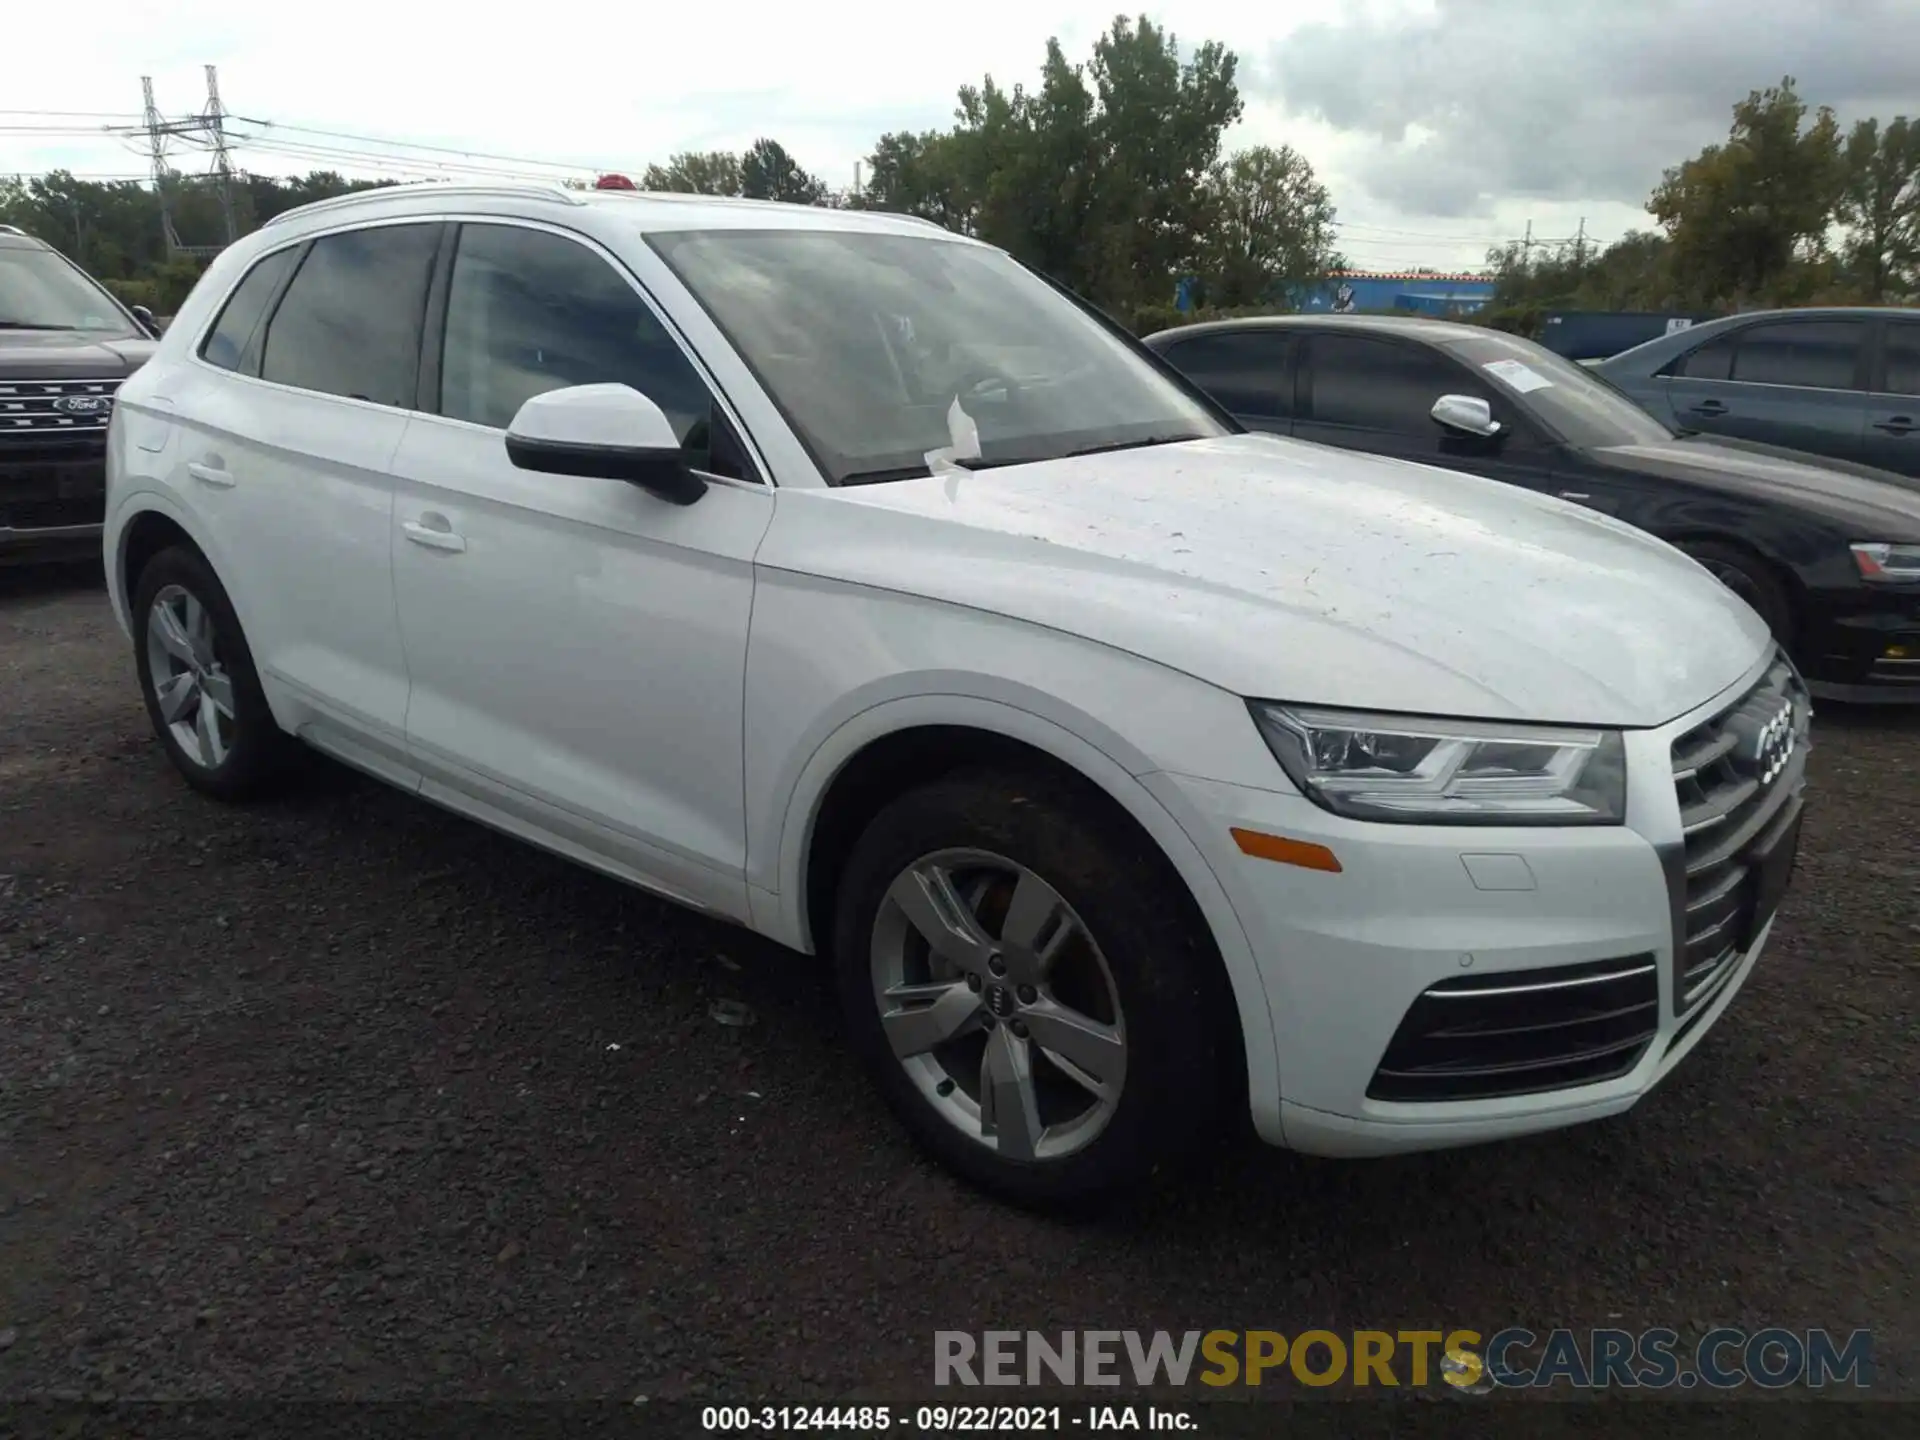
(1518, 374)
(964, 441)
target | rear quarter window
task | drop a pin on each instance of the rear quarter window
(230, 344)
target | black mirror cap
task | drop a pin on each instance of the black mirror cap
(662, 472)
(145, 317)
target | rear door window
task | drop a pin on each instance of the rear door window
(350, 322)
(1903, 359)
(1809, 354)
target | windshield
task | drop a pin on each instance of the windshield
(868, 341)
(41, 291)
(1569, 399)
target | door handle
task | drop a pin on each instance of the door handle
(1710, 407)
(216, 475)
(1897, 425)
(434, 537)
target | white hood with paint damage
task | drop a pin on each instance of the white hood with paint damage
(1283, 570)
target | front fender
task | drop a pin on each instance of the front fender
(783, 914)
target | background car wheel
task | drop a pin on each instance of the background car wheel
(1032, 988)
(197, 677)
(1749, 577)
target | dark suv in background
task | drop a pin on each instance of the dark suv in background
(1843, 383)
(65, 345)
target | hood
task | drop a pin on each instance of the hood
(64, 354)
(1288, 571)
(1849, 493)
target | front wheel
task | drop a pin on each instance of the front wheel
(1034, 994)
(1749, 577)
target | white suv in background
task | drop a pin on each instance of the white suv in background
(839, 577)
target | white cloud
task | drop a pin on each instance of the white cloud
(1440, 127)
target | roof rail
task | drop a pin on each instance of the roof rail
(362, 197)
(11, 230)
(691, 197)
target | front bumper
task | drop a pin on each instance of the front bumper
(52, 497)
(1867, 651)
(1453, 985)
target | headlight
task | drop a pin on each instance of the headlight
(1888, 563)
(1448, 772)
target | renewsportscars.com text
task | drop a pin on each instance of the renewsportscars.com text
(1771, 1358)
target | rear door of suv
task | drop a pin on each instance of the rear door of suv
(1800, 383)
(285, 437)
(1891, 439)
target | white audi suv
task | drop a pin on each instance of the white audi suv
(838, 576)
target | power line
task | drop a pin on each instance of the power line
(334, 155)
(91, 175)
(89, 130)
(417, 145)
(76, 114)
(1418, 234)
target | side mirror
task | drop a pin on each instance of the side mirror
(145, 317)
(1468, 414)
(603, 432)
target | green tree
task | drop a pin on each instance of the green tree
(1029, 161)
(1743, 217)
(113, 229)
(1162, 120)
(1094, 177)
(694, 172)
(912, 174)
(1267, 221)
(768, 172)
(1880, 206)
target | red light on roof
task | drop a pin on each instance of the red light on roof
(614, 182)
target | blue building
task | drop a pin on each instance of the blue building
(1418, 292)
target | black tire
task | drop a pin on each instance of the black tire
(1752, 579)
(1183, 1056)
(257, 754)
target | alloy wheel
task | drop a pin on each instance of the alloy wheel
(996, 1000)
(190, 683)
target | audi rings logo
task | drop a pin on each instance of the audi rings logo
(1769, 749)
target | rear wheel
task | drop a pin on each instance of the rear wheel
(197, 677)
(1749, 577)
(1031, 990)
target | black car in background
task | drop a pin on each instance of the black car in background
(1827, 552)
(65, 346)
(1839, 382)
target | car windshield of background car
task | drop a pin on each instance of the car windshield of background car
(1569, 399)
(40, 291)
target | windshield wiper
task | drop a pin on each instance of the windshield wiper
(881, 477)
(31, 325)
(920, 472)
(1112, 445)
(977, 462)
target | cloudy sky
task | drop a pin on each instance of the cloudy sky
(1441, 126)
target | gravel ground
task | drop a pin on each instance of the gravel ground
(346, 1097)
